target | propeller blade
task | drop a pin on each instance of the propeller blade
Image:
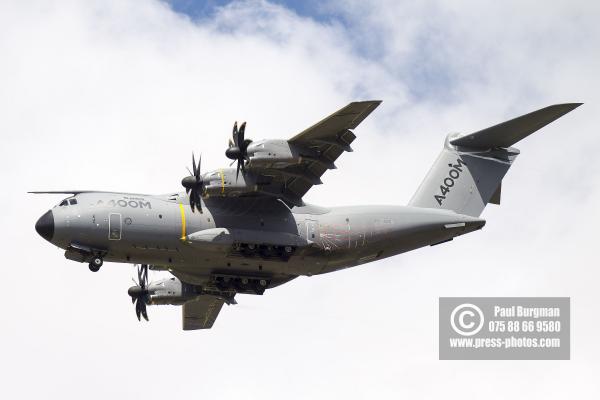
(137, 310)
(143, 276)
(241, 134)
(193, 164)
(194, 184)
(198, 203)
(235, 133)
(139, 293)
(192, 200)
(244, 149)
(145, 269)
(144, 313)
(237, 172)
(197, 175)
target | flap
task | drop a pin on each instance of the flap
(201, 313)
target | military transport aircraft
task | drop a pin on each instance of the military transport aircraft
(247, 229)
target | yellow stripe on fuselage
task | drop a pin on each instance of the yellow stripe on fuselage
(222, 181)
(182, 210)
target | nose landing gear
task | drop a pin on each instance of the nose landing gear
(96, 263)
(82, 253)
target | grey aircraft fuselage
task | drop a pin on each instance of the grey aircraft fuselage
(247, 229)
(164, 232)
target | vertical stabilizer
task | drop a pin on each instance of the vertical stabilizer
(467, 174)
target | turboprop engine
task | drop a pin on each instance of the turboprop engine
(165, 291)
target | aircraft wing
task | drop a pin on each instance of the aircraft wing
(330, 129)
(201, 313)
(329, 138)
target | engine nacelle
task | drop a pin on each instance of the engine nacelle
(226, 182)
(263, 155)
(277, 154)
(272, 154)
(170, 291)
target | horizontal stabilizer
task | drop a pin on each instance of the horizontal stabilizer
(510, 132)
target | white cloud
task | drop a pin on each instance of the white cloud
(116, 94)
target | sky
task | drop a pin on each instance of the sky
(116, 94)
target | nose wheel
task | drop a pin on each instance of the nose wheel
(95, 264)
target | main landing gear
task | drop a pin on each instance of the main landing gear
(241, 284)
(95, 263)
(250, 250)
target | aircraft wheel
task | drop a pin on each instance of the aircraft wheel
(260, 286)
(248, 250)
(266, 251)
(95, 264)
(241, 285)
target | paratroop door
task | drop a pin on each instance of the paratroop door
(114, 226)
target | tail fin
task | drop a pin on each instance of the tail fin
(468, 173)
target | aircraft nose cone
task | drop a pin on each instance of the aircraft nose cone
(45, 225)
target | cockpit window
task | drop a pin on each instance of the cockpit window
(69, 201)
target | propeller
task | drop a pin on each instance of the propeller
(194, 185)
(139, 293)
(238, 148)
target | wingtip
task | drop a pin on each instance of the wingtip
(378, 102)
(559, 109)
(568, 106)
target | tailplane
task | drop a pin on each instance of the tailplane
(467, 174)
